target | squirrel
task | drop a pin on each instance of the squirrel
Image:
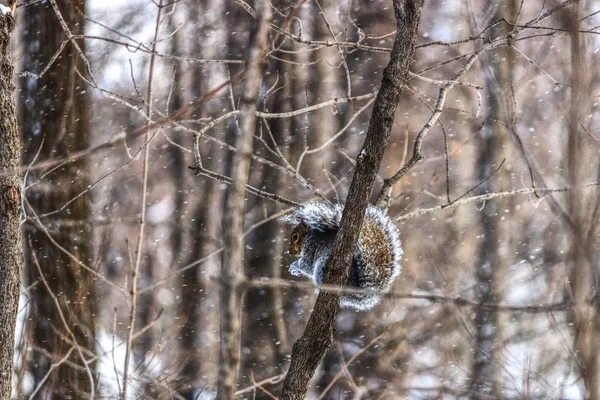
(376, 260)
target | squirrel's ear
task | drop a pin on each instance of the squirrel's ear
(302, 225)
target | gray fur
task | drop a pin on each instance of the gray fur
(322, 221)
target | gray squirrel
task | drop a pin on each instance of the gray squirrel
(376, 260)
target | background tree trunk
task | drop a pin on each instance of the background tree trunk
(11, 256)
(268, 346)
(186, 246)
(493, 248)
(232, 267)
(584, 277)
(54, 117)
(199, 201)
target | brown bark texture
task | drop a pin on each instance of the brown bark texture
(11, 256)
(318, 336)
(583, 270)
(232, 269)
(54, 119)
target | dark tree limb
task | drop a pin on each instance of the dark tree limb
(318, 336)
(11, 257)
(232, 267)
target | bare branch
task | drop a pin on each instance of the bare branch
(317, 337)
(490, 196)
(143, 205)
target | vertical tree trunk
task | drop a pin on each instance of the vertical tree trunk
(326, 80)
(11, 257)
(232, 267)
(188, 352)
(55, 123)
(582, 256)
(264, 315)
(493, 252)
(198, 307)
(282, 130)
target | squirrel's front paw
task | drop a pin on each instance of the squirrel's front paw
(295, 269)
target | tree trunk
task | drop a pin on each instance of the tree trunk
(11, 256)
(264, 316)
(232, 267)
(493, 251)
(582, 258)
(188, 352)
(317, 338)
(55, 123)
(199, 305)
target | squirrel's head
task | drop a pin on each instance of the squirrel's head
(296, 239)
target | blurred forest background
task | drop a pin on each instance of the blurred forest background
(123, 240)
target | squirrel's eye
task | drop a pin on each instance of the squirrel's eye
(295, 237)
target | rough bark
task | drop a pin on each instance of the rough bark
(583, 272)
(232, 270)
(318, 336)
(11, 256)
(54, 115)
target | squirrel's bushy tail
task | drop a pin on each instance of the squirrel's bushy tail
(317, 216)
(377, 257)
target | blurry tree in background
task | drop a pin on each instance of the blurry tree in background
(494, 245)
(59, 273)
(582, 212)
(132, 115)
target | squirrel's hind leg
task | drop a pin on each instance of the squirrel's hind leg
(356, 280)
(359, 301)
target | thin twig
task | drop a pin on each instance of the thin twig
(430, 297)
(49, 372)
(143, 204)
(490, 196)
(65, 324)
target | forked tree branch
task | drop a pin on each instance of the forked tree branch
(318, 335)
(384, 196)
